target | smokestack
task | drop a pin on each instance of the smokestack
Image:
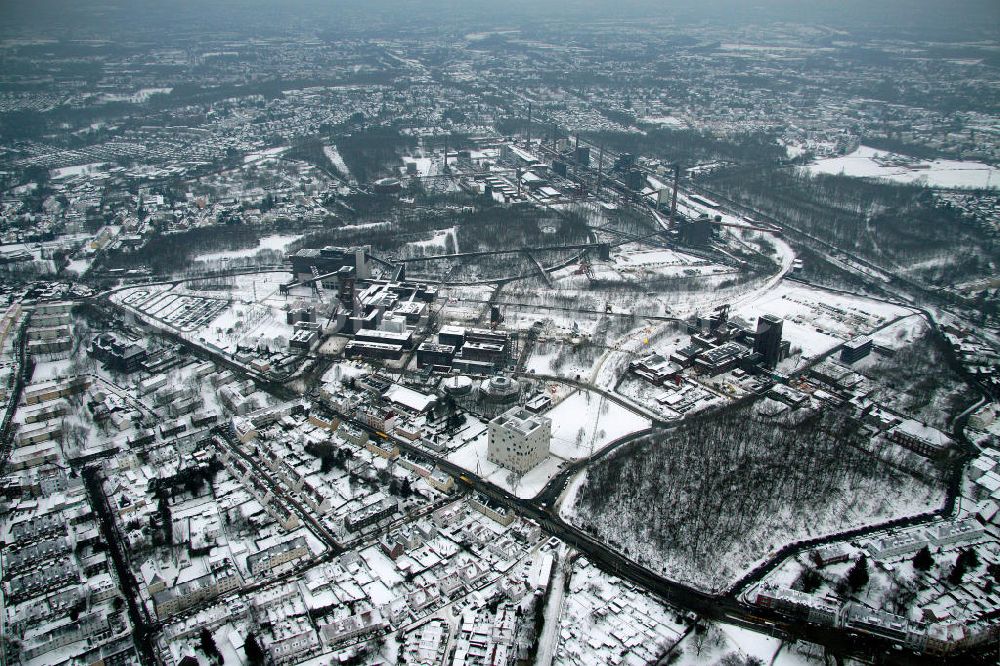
(673, 199)
(600, 166)
(576, 158)
(529, 124)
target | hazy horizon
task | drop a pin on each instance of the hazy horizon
(63, 19)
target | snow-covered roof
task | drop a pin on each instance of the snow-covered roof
(925, 433)
(409, 398)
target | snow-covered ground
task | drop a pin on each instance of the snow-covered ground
(439, 241)
(138, 97)
(79, 170)
(868, 162)
(663, 121)
(586, 422)
(274, 242)
(817, 320)
(333, 155)
(721, 640)
(264, 154)
(80, 266)
(903, 332)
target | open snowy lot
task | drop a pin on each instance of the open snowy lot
(275, 242)
(247, 312)
(586, 422)
(868, 162)
(817, 320)
(728, 641)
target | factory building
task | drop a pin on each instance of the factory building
(431, 354)
(379, 350)
(767, 340)
(477, 351)
(330, 260)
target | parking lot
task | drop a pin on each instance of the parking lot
(183, 312)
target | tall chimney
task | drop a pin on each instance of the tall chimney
(529, 125)
(673, 199)
(600, 167)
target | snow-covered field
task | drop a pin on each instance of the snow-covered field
(663, 121)
(80, 266)
(816, 320)
(251, 312)
(868, 162)
(276, 242)
(586, 422)
(551, 357)
(903, 332)
(439, 241)
(722, 640)
(264, 154)
(138, 97)
(79, 170)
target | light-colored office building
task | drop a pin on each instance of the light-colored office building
(519, 440)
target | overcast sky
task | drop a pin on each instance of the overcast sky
(949, 18)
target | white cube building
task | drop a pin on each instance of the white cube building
(519, 440)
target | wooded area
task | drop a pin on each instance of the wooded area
(897, 227)
(709, 498)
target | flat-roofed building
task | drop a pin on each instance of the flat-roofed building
(380, 350)
(451, 335)
(402, 338)
(855, 350)
(518, 439)
(433, 354)
(484, 352)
